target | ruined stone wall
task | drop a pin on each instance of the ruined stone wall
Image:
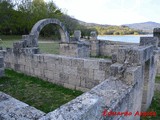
(125, 84)
(129, 87)
(13, 109)
(123, 91)
(76, 73)
(106, 48)
(2, 54)
(75, 49)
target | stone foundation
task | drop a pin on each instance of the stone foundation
(76, 73)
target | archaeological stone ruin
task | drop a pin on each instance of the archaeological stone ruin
(126, 82)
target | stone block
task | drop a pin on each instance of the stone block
(49, 74)
(7, 65)
(74, 80)
(69, 49)
(83, 82)
(114, 58)
(99, 75)
(134, 55)
(16, 67)
(93, 35)
(2, 72)
(1, 60)
(91, 64)
(83, 72)
(49, 66)
(91, 74)
(66, 61)
(77, 34)
(83, 50)
(90, 83)
(70, 70)
(104, 65)
(66, 85)
(27, 70)
(133, 75)
(15, 109)
(64, 78)
(82, 89)
(116, 70)
(59, 68)
(2, 65)
(37, 72)
(77, 62)
(147, 41)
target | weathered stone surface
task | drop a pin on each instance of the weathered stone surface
(2, 73)
(93, 35)
(77, 35)
(147, 41)
(116, 70)
(129, 87)
(40, 24)
(95, 48)
(11, 108)
(133, 75)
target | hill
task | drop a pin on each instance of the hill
(145, 26)
(111, 29)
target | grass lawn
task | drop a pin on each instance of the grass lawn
(155, 106)
(50, 47)
(157, 80)
(41, 94)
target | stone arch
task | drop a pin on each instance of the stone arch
(40, 24)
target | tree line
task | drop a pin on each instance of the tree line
(17, 17)
(117, 30)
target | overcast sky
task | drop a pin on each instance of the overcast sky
(115, 12)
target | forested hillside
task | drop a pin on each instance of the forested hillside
(18, 18)
(113, 29)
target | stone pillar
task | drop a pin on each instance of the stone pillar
(2, 73)
(156, 33)
(95, 46)
(93, 35)
(77, 35)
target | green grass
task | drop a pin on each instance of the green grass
(41, 94)
(155, 106)
(51, 48)
(10, 37)
(157, 80)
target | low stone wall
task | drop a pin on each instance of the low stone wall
(129, 87)
(110, 95)
(13, 109)
(2, 54)
(76, 73)
(78, 49)
(106, 48)
(129, 90)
